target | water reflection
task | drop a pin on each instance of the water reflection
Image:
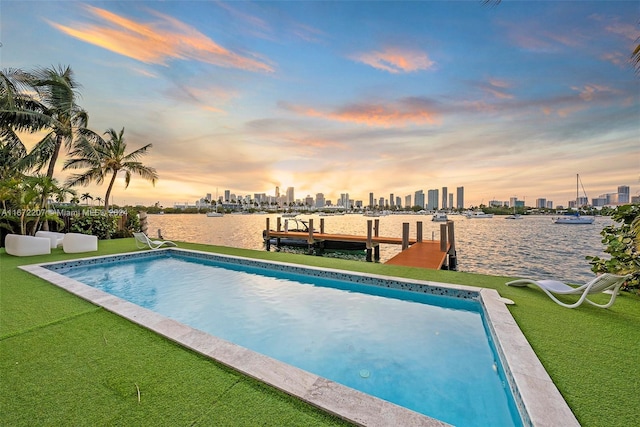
(531, 247)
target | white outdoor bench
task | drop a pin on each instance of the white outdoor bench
(76, 242)
(55, 237)
(19, 245)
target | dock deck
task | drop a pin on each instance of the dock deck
(426, 254)
(415, 253)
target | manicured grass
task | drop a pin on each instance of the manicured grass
(64, 361)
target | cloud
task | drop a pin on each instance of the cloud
(496, 88)
(158, 42)
(405, 111)
(536, 37)
(589, 91)
(395, 60)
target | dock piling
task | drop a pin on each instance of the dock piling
(453, 257)
(405, 235)
(369, 244)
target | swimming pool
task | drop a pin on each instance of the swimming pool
(363, 317)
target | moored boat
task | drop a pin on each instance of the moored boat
(439, 217)
(302, 226)
(478, 215)
(575, 218)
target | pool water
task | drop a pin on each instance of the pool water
(428, 353)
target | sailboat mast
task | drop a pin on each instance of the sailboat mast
(577, 191)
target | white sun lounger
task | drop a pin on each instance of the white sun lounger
(605, 281)
(78, 242)
(55, 237)
(19, 245)
(142, 242)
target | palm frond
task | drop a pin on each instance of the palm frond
(85, 178)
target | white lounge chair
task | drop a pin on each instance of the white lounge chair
(77, 242)
(142, 242)
(56, 238)
(19, 245)
(605, 281)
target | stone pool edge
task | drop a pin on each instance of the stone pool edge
(532, 387)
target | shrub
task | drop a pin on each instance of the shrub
(623, 244)
(131, 225)
(102, 226)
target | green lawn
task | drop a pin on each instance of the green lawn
(64, 361)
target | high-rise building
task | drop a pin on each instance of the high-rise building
(344, 201)
(433, 198)
(381, 202)
(398, 201)
(308, 201)
(277, 192)
(227, 195)
(418, 199)
(407, 201)
(541, 203)
(623, 194)
(391, 201)
(371, 201)
(445, 197)
(319, 200)
(460, 198)
(290, 197)
(450, 201)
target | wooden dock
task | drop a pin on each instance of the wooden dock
(415, 252)
(425, 254)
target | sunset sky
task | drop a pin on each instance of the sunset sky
(508, 100)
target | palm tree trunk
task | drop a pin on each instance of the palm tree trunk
(50, 170)
(54, 156)
(106, 197)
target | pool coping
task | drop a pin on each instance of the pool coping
(539, 401)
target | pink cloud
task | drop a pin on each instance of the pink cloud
(158, 42)
(395, 60)
(589, 91)
(414, 111)
(498, 89)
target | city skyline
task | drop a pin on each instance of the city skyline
(620, 196)
(512, 99)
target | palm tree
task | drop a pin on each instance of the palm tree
(13, 83)
(86, 197)
(57, 89)
(103, 157)
(98, 199)
(28, 194)
(44, 99)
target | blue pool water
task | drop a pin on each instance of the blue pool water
(428, 353)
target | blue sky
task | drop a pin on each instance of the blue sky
(509, 100)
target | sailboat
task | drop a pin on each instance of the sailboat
(576, 218)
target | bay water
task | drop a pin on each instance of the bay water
(532, 247)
